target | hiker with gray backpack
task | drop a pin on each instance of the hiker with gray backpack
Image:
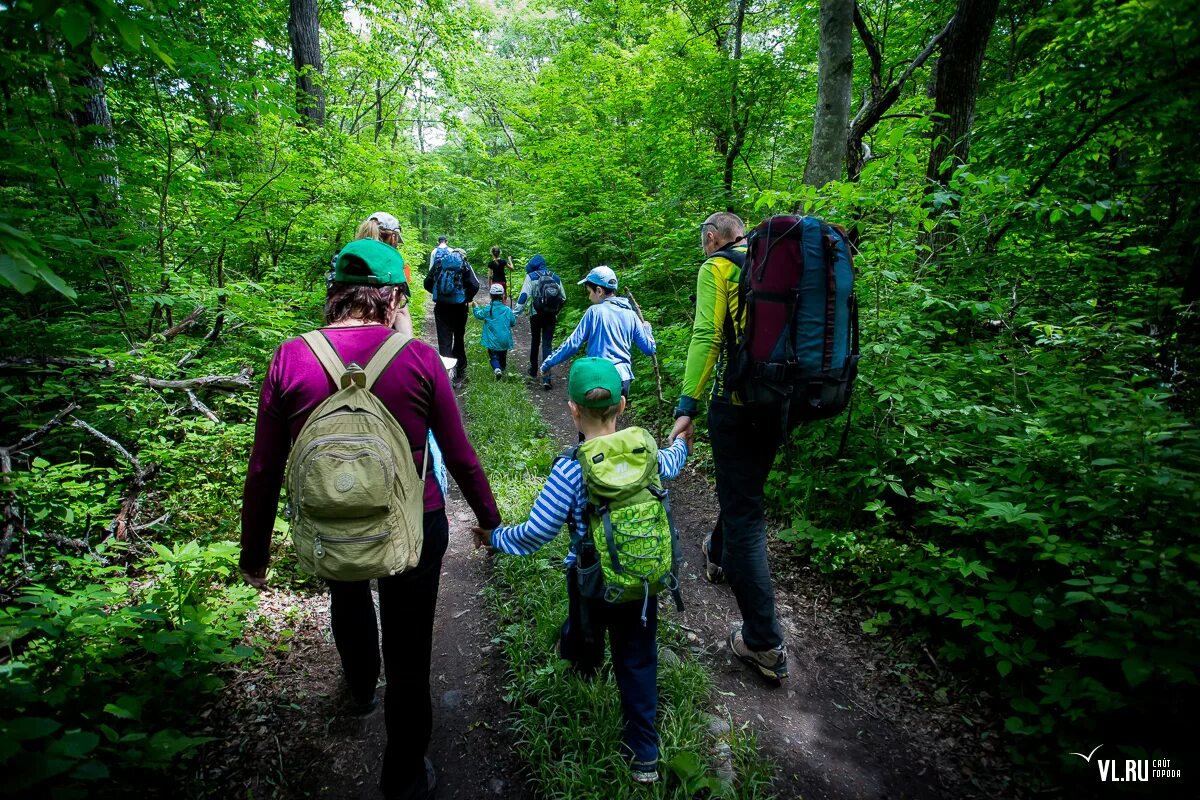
(776, 330)
(623, 550)
(544, 296)
(342, 423)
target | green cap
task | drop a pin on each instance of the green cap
(371, 262)
(594, 373)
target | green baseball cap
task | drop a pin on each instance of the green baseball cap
(371, 262)
(594, 373)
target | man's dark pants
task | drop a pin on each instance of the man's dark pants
(541, 332)
(634, 658)
(406, 606)
(451, 322)
(744, 444)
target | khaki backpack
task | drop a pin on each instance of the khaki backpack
(357, 500)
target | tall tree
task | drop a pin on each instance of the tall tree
(957, 85)
(304, 31)
(835, 73)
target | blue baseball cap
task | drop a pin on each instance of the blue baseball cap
(601, 276)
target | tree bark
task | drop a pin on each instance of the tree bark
(304, 31)
(835, 73)
(957, 85)
(739, 113)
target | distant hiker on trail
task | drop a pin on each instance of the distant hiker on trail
(622, 473)
(410, 382)
(543, 291)
(497, 270)
(610, 327)
(452, 284)
(498, 322)
(744, 445)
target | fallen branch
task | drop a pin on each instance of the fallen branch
(208, 339)
(657, 375)
(120, 526)
(198, 405)
(231, 383)
(110, 442)
(11, 520)
(187, 322)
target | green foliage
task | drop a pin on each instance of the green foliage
(102, 671)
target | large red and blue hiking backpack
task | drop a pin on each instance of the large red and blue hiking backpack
(798, 351)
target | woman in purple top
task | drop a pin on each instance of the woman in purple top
(417, 391)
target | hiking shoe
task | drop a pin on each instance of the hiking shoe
(644, 772)
(771, 664)
(499, 372)
(356, 709)
(547, 386)
(713, 572)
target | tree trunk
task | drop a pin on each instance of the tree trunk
(957, 85)
(304, 31)
(739, 114)
(835, 73)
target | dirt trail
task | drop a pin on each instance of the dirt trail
(844, 726)
(282, 727)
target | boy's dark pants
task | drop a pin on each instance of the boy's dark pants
(541, 332)
(744, 445)
(406, 606)
(634, 657)
(499, 359)
(451, 323)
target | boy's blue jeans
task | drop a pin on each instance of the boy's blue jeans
(634, 658)
(498, 359)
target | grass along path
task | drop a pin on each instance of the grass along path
(567, 730)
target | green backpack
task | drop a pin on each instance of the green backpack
(356, 498)
(629, 549)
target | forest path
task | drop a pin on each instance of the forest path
(846, 725)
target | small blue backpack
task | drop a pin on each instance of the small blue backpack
(448, 286)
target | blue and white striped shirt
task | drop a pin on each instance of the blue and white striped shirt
(564, 495)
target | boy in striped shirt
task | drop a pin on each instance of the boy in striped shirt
(594, 388)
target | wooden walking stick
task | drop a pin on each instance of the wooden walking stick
(657, 375)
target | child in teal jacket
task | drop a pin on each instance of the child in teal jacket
(498, 322)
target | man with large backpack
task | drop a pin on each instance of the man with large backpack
(453, 285)
(543, 292)
(776, 328)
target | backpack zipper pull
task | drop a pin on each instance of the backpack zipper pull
(318, 549)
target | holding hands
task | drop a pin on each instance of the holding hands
(684, 429)
(482, 537)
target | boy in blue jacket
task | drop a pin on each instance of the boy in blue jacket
(498, 322)
(594, 388)
(610, 327)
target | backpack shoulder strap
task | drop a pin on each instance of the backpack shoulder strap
(384, 356)
(326, 355)
(738, 257)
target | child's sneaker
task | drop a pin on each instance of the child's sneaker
(771, 664)
(713, 572)
(645, 772)
(499, 372)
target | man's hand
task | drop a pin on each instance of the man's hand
(256, 577)
(482, 537)
(683, 429)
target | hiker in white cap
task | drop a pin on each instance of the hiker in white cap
(610, 327)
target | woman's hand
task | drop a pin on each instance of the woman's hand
(256, 577)
(482, 537)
